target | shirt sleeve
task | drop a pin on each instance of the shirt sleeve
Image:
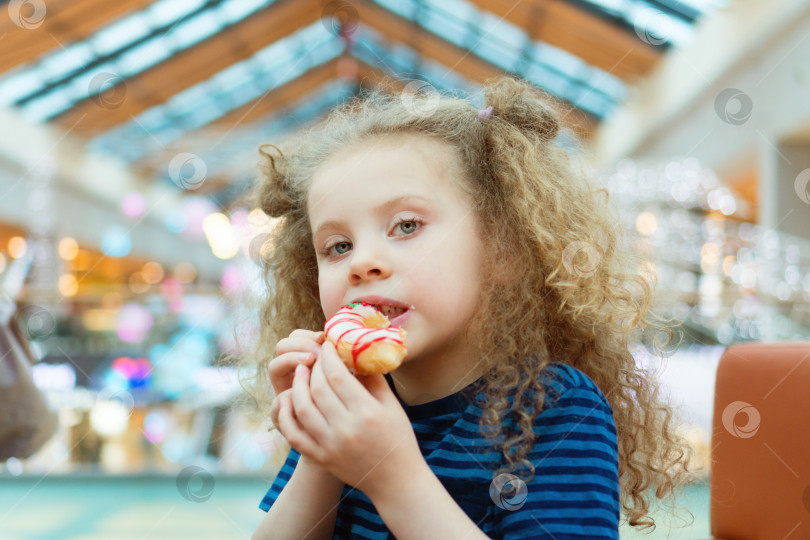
(281, 480)
(575, 490)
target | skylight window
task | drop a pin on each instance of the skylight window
(195, 30)
(403, 8)
(66, 60)
(499, 29)
(129, 46)
(165, 12)
(448, 27)
(21, 83)
(115, 36)
(143, 57)
(237, 85)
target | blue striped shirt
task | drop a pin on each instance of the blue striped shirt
(575, 490)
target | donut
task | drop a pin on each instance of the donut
(365, 339)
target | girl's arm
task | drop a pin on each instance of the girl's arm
(306, 508)
(417, 506)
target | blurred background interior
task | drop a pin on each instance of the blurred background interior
(129, 132)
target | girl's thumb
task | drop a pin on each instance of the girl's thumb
(378, 387)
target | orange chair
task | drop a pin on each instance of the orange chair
(760, 475)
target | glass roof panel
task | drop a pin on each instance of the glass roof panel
(127, 47)
(64, 61)
(592, 101)
(141, 58)
(401, 61)
(548, 79)
(607, 83)
(502, 30)
(115, 36)
(562, 61)
(462, 10)
(49, 104)
(671, 21)
(231, 78)
(403, 8)
(195, 30)
(232, 12)
(509, 47)
(274, 65)
(450, 28)
(18, 84)
(165, 12)
(703, 6)
(65, 76)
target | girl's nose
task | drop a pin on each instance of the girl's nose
(367, 266)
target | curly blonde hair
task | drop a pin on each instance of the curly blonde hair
(538, 212)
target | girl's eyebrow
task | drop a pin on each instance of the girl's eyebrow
(377, 209)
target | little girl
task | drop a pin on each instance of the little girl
(519, 411)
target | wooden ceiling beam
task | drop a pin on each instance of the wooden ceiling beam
(194, 65)
(455, 58)
(64, 22)
(277, 98)
(291, 92)
(586, 35)
(256, 110)
(424, 42)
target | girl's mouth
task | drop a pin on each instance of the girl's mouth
(399, 320)
(391, 311)
(396, 315)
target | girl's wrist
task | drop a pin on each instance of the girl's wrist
(313, 469)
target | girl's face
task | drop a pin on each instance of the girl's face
(389, 220)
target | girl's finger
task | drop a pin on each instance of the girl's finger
(285, 364)
(298, 344)
(276, 405)
(350, 391)
(282, 368)
(306, 411)
(324, 395)
(292, 430)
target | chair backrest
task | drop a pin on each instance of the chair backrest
(760, 475)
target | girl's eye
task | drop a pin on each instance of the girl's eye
(339, 247)
(407, 226)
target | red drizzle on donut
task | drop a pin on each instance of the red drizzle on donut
(355, 317)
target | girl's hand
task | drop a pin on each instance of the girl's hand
(354, 427)
(301, 347)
